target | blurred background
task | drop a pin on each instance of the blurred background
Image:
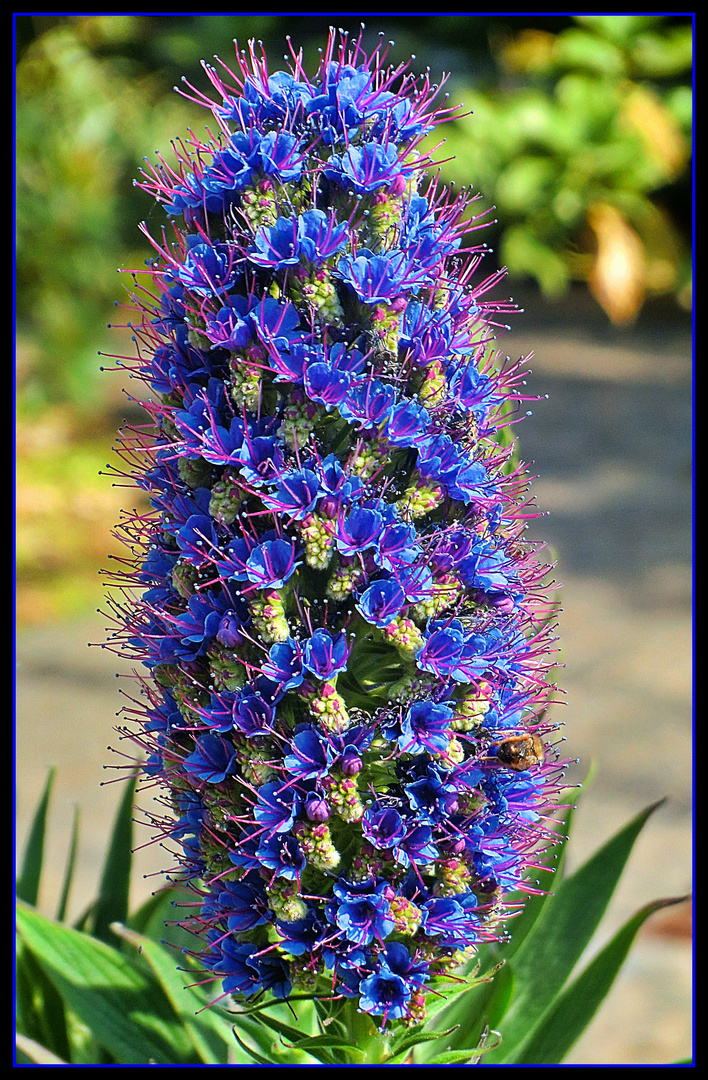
(578, 134)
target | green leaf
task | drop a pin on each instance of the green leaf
(405, 1043)
(258, 1029)
(573, 1010)
(467, 1055)
(478, 1009)
(208, 1027)
(69, 869)
(548, 955)
(259, 1058)
(40, 1010)
(114, 890)
(36, 1053)
(280, 1028)
(328, 1042)
(125, 1010)
(521, 926)
(28, 884)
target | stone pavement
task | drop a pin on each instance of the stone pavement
(612, 451)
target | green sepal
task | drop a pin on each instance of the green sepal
(468, 1055)
(477, 1009)
(252, 1054)
(318, 1046)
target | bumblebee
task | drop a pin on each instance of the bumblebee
(520, 752)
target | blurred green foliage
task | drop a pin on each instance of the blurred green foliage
(584, 145)
(580, 137)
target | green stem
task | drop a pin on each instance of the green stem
(362, 1031)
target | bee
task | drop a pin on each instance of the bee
(520, 752)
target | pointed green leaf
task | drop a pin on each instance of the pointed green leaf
(149, 918)
(403, 1045)
(125, 1010)
(40, 1010)
(28, 884)
(564, 928)
(69, 870)
(573, 1010)
(114, 890)
(476, 1010)
(467, 1055)
(259, 1058)
(548, 879)
(328, 1042)
(208, 1027)
(286, 1030)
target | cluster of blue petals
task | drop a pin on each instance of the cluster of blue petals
(344, 631)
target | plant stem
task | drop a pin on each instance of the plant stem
(362, 1031)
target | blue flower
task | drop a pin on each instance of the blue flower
(208, 270)
(361, 911)
(382, 602)
(358, 531)
(212, 760)
(296, 494)
(325, 656)
(277, 806)
(383, 826)
(365, 168)
(376, 279)
(282, 854)
(272, 563)
(426, 728)
(284, 664)
(310, 755)
(338, 627)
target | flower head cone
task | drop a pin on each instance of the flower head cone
(348, 648)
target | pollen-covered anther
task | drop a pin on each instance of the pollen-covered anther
(369, 458)
(433, 389)
(226, 498)
(299, 418)
(226, 669)
(328, 707)
(344, 580)
(284, 899)
(416, 1011)
(253, 762)
(260, 205)
(444, 592)
(314, 287)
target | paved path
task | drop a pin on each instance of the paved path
(611, 447)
